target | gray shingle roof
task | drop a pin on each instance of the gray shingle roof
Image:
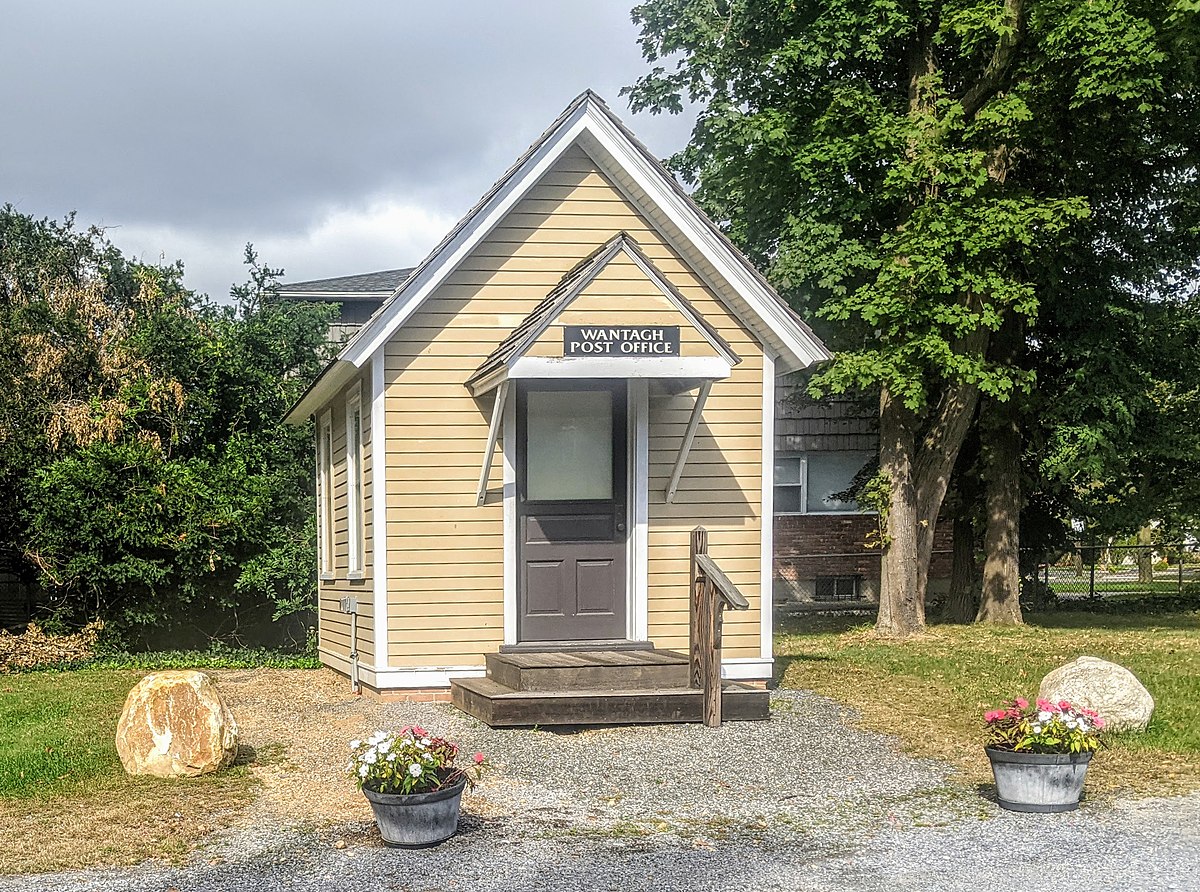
(383, 282)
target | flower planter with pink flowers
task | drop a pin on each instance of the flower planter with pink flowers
(1040, 754)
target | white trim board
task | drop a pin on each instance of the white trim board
(379, 512)
(766, 584)
(704, 367)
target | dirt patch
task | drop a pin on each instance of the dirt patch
(295, 726)
(140, 820)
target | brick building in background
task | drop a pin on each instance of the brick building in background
(826, 548)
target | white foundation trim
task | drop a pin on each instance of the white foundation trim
(379, 526)
(747, 668)
(509, 444)
(435, 677)
(766, 585)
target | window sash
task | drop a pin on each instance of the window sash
(325, 493)
(354, 484)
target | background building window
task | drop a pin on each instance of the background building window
(806, 482)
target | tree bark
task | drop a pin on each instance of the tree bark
(1145, 555)
(963, 602)
(901, 609)
(1000, 598)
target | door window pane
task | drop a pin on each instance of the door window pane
(568, 445)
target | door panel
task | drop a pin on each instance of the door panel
(571, 510)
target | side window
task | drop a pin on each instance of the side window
(325, 493)
(354, 481)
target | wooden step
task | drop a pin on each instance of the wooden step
(500, 706)
(597, 670)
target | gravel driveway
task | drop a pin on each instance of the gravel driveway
(803, 802)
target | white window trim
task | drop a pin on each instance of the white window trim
(355, 521)
(803, 485)
(325, 554)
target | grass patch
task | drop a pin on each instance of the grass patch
(65, 800)
(931, 691)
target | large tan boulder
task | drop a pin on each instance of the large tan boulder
(1112, 690)
(175, 724)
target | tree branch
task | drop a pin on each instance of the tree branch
(1006, 48)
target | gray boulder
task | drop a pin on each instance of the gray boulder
(1111, 690)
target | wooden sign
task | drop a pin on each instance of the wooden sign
(620, 340)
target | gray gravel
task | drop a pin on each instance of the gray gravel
(804, 802)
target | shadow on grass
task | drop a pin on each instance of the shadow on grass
(1116, 622)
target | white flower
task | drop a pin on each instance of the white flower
(362, 770)
(391, 757)
(425, 741)
(1035, 728)
(421, 744)
(428, 757)
(354, 744)
(1044, 716)
(378, 737)
(370, 758)
(414, 770)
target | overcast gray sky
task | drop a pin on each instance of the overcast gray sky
(338, 137)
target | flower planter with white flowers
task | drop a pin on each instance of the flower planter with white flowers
(1040, 753)
(413, 786)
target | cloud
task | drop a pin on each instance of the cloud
(382, 234)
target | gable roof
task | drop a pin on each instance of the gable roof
(588, 122)
(570, 287)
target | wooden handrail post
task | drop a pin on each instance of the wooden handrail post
(710, 654)
(699, 545)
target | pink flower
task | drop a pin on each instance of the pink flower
(478, 757)
(1045, 705)
(1097, 721)
(994, 716)
(1021, 703)
(1064, 704)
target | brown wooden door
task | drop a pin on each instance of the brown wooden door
(571, 511)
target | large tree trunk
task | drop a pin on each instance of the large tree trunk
(1145, 555)
(1000, 599)
(964, 574)
(901, 609)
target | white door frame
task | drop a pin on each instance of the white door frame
(637, 429)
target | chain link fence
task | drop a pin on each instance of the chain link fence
(1115, 572)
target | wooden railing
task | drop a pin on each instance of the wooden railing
(712, 592)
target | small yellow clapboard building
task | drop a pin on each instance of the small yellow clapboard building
(513, 451)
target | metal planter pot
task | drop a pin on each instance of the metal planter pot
(1038, 782)
(417, 820)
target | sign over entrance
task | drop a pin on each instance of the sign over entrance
(620, 340)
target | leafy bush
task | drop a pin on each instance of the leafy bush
(145, 473)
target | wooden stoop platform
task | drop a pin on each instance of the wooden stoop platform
(596, 687)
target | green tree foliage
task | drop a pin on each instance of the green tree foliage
(924, 177)
(152, 480)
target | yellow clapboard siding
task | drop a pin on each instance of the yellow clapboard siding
(450, 597)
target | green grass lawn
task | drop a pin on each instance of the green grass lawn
(931, 691)
(57, 728)
(65, 800)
